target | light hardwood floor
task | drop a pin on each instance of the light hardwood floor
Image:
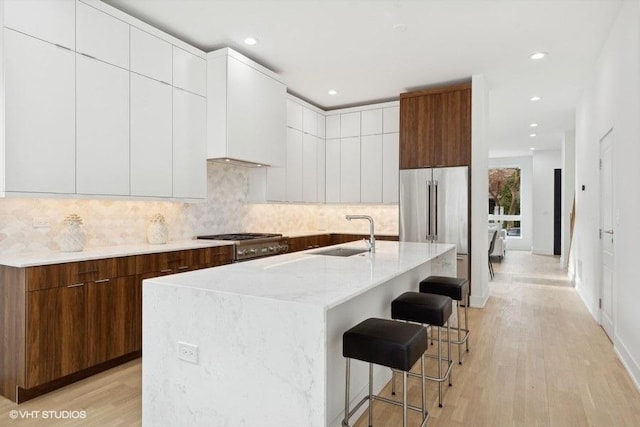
(537, 359)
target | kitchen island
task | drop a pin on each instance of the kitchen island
(265, 336)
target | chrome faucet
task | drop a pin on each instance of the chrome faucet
(372, 239)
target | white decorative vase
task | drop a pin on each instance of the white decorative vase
(72, 237)
(157, 231)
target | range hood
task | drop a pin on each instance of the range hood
(237, 162)
(246, 111)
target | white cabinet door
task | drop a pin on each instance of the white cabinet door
(333, 126)
(390, 167)
(350, 170)
(321, 169)
(332, 167)
(276, 184)
(151, 56)
(371, 174)
(349, 124)
(309, 168)
(189, 145)
(151, 139)
(294, 115)
(40, 115)
(322, 126)
(189, 72)
(391, 120)
(294, 165)
(52, 21)
(102, 36)
(310, 121)
(102, 115)
(371, 122)
(256, 108)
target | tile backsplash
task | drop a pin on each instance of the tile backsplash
(121, 222)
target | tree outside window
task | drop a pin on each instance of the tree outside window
(504, 197)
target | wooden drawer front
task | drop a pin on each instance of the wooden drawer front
(213, 257)
(165, 262)
(57, 275)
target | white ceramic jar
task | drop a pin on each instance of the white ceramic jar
(71, 237)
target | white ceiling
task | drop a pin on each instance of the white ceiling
(352, 46)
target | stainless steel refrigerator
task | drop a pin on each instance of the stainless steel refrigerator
(434, 207)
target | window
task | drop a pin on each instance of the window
(504, 199)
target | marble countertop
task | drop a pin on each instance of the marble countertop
(303, 277)
(46, 258)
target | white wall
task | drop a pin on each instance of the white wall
(479, 186)
(612, 100)
(526, 179)
(568, 191)
(544, 163)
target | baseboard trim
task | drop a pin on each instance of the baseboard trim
(478, 301)
(627, 361)
(590, 307)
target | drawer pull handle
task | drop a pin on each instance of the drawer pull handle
(166, 270)
(76, 285)
(102, 281)
(183, 267)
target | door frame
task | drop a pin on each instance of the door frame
(608, 325)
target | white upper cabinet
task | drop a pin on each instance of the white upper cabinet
(391, 119)
(371, 173)
(321, 170)
(102, 139)
(276, 184)
(309, 168)
(151, 139)
(390, 167)
(189, 72)
(247, 110)
(102, 36)
(189, 145)
(151, 56)
(322, 120)
(52, 21)
(349, 124)
(332, 167)
(350, 170)
(294, 115)
(333, 126)
(310, 121)
(39, 116)
(294, 165)
(371, 122)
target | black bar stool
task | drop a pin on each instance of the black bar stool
(432, 310)
(457, 289)
(392, 344)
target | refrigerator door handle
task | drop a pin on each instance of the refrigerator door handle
(428, 211)
(435, 215)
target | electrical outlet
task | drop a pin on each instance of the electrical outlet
(41, 222)
(188, 352)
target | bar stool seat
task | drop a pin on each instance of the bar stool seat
(388, 343)
(457, 289)
(427, 309)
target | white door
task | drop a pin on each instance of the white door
(606, 234)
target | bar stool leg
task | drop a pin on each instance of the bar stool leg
(404, 398)
(371, 394)
(393, 383)
(439, 369)
(459, 329)
(345, 422)
(424, 386)
(466, 320)
(449, 358)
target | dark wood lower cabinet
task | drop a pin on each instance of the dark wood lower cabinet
(114, 309)
(301, 243)
(64, 322)
(56, 334)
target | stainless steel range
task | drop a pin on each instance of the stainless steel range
(252, 245)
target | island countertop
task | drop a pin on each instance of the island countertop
(308, 278)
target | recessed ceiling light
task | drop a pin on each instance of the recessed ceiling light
(538, 55)
(532, 135)
(532, 149)
(400, 28)
(533, 125)
(535, 98)
(332, 92)
(251, 41)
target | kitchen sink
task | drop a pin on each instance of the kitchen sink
(340, 252)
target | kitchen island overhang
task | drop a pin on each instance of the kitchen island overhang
(269, 334)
